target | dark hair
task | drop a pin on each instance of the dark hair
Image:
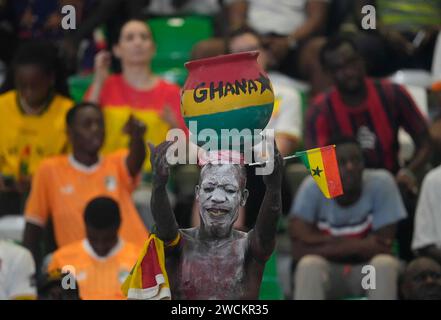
(123, 23)
(240, 32)
(333, 44)
(102, 213)
(43, 54)
(70, 116)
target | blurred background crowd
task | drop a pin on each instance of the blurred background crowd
(78, 107)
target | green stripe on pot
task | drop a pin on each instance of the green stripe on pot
(254, 117)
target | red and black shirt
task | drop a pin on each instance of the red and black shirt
(375, 122)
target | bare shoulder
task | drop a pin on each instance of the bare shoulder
(237, 234)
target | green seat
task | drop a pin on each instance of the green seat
(270, 287)
(175, 75)
(78, 86)
(174, 38)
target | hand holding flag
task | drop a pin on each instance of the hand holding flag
(323, 166)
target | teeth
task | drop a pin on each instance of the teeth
(216, 213)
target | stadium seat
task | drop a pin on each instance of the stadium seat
(175, 75)
(78, 86)
(174, 38)
(270, 288)
(12, 227)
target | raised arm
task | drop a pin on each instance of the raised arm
(166, 225)
(137, 152)
(101, 72)
(263, 236)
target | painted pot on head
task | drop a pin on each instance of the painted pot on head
(226, 96)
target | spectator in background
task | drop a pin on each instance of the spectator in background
(41, 19)
(422, 280)
(404, 36)
(332, 239)
(17, 272)
(103, 260)
(286, 120)
(372, 111)
(63, 185)
(290, 30)
(135, 91)
(427, 232)
(296, 22)
(215, 9)
(97, 15)
(32, 122)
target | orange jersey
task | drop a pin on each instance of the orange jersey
(62, 187)
(98, 278)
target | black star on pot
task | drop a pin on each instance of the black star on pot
(316, 172)
(265, 83)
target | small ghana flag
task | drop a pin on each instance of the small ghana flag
(148, 279)
(322, 163)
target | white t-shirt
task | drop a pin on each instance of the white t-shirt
(287, 112)
(427, 229)
(17, 271)
(277, 16)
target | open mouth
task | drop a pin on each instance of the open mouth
(217, 212)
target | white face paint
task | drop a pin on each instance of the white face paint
(219, 197)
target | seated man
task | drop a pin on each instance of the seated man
(17, 272)
(213, 261)
(427, 233)
(370, 110)
(64, 185)
(101, 261)
(422, 280)
(333, 239)
(373, 111)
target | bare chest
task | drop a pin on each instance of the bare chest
(214, 273)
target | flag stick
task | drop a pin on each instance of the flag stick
(296, 155)
(284, 158)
